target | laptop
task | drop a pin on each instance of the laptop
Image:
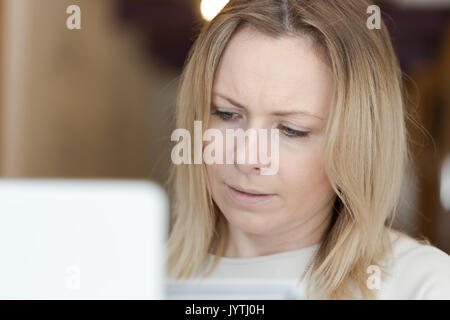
(82, 239)
(235, 289)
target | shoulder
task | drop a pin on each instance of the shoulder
(415, 270)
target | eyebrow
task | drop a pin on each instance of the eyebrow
(277, 113)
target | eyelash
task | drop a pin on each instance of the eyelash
(225, 115)
(231, 116)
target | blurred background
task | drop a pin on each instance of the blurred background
(99, 102)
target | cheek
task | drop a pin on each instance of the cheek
(215, 174)
(302, 173)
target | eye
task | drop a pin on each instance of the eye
(226, 115)
(291, 132)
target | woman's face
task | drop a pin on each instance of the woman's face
(277, 83)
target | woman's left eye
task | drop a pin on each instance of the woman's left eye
(291, 132)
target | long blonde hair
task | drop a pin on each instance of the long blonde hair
(366, 149)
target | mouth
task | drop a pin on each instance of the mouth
(248, 196)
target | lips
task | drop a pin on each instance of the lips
(247, 196)
(249, 191)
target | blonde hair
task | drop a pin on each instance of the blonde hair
(366, 151)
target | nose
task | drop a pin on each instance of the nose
(250, 153)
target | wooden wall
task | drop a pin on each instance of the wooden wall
(84, 103)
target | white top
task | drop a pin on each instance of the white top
(418, 271)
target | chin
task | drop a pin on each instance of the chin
(250, 222)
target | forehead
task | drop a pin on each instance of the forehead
(272, 74)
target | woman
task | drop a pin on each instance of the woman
(332, 87)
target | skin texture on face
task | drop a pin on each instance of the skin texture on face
(268, 77)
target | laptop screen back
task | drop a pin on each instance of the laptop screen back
(82, 239)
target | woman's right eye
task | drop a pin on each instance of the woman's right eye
(226, 115)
